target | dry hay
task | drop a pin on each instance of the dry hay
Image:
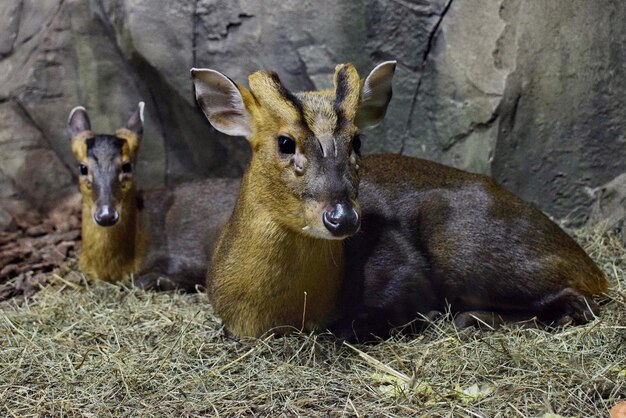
(93, 349)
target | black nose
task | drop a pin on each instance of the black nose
(341, 220)
(106, 216)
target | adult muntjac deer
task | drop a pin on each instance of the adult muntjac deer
(430, 236)
(163, 237)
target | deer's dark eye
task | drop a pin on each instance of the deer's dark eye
(356, 144)
(127, 167)
(83, 169)
(286, 145)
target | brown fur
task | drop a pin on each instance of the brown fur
(252, 288)
(560, 258)
(115, 253)
(270, 293)
(432, 237)
(163, 238)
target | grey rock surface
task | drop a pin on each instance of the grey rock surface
(562, 123)
(609, 206)
(529, 92)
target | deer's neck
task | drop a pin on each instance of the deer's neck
(111, 253)
(265, 275)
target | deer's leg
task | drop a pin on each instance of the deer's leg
(492, 320)
(155, 281)
(567, 306)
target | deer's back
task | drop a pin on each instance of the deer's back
(184, 223)
(432, 232)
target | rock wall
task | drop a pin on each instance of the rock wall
(609, 207)
(529, 92)
(563, 117)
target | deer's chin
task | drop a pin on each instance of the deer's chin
(321, 232)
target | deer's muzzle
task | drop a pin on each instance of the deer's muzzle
(106, 216)
(342, 219)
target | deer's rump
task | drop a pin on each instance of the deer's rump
(434, 236)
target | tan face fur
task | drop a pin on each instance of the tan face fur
(304, 168)
(105, 164)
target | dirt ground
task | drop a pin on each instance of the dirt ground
(35, 246)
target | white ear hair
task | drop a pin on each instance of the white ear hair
(78, 121)
(77, 108)
(135, 122)
(221, 102)
(141, 106)
(376, 95)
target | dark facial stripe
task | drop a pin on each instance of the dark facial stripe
(104, 143)
(340, 96)
(291, 98)
(287, 95)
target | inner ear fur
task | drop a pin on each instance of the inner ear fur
(375, 95)
(135, 122)
(133, 131)
(222, 101)
(78, 121)
(79, 129)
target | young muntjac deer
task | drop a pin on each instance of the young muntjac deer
(162, 237)
(429, 236)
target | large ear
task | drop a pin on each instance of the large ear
(135, 122)
(133, 130)
(221, 101)
(79, 129)
(78, 122)
(375, 95)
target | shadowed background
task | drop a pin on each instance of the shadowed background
(532, 93)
